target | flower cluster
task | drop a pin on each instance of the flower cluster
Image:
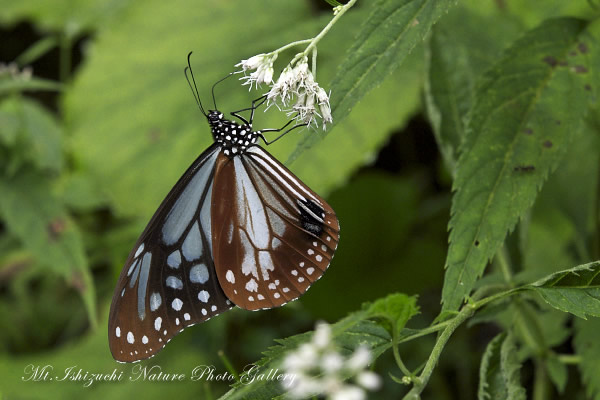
(321, 370)
(295, 82)
(12, 70)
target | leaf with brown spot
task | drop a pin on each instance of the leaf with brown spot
(516, 94)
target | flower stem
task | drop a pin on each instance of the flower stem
(316, 39)
(420, 382)
(287, 46)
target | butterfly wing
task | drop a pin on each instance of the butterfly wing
(169, 280)
(275, 236)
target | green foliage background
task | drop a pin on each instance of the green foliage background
(510, 91)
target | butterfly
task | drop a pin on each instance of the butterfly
(237, 229)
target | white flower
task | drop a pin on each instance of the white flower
(323, 99)
(321, 370)
(252, 62)
(332, 362)
(322, 336)
(284, 88)
(348, 392)
(359, 359)
(369, 380)
(263, 64)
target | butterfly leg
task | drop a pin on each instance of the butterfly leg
(261, 100)
(260, 133)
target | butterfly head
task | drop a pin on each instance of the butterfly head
(214, 117)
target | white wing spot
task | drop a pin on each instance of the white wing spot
(250, 298)
(294, 272)
(319, 257)
(186, 316)
(174, 259)
(139, 250)
(118, 332)
(252, 286)
(199, 273)
(213, 308)
(310, 252)
(315, 244)
(130, 338)
(155, 301)
(157, 323)
(176, 304)
(329, 238)
(272, 286)
(300, 279)
(204, 312)
(174, 283)
(302, 264)
(145, 339)
(277, 295)
(310, 270)
(229, 276)
(323, 247)
(285, 290)
(261, 297)
(203, 296)
(176, 321)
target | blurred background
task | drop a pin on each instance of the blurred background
(96, 125)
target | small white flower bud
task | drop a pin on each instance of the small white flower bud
(369, 380)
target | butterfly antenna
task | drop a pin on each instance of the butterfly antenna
(216, 83)
(194, 92)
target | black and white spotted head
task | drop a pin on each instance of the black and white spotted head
(235, 138)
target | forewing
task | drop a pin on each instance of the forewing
(169, 280)
(274, 236)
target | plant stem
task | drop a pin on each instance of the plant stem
(504, 263)
(426, 331)
(316, 39)
(312, 43)
(540, 382)
(569, 358)
(420, 382)
(65, 58)
(287, 46)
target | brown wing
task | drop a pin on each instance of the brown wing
(272, 236)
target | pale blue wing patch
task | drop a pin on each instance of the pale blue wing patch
(185, 207)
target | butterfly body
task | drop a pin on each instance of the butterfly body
(238, 228)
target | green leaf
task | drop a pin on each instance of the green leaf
(458, 52)
(349, 333)
(587, 347)
(562, 219)
(397, 308)
(32, 132)
(67, 16)
(558, 373)
(386, 38)
(524, 115)
(499, 374)
(32, 213)
(8, 86)
(575, 290)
